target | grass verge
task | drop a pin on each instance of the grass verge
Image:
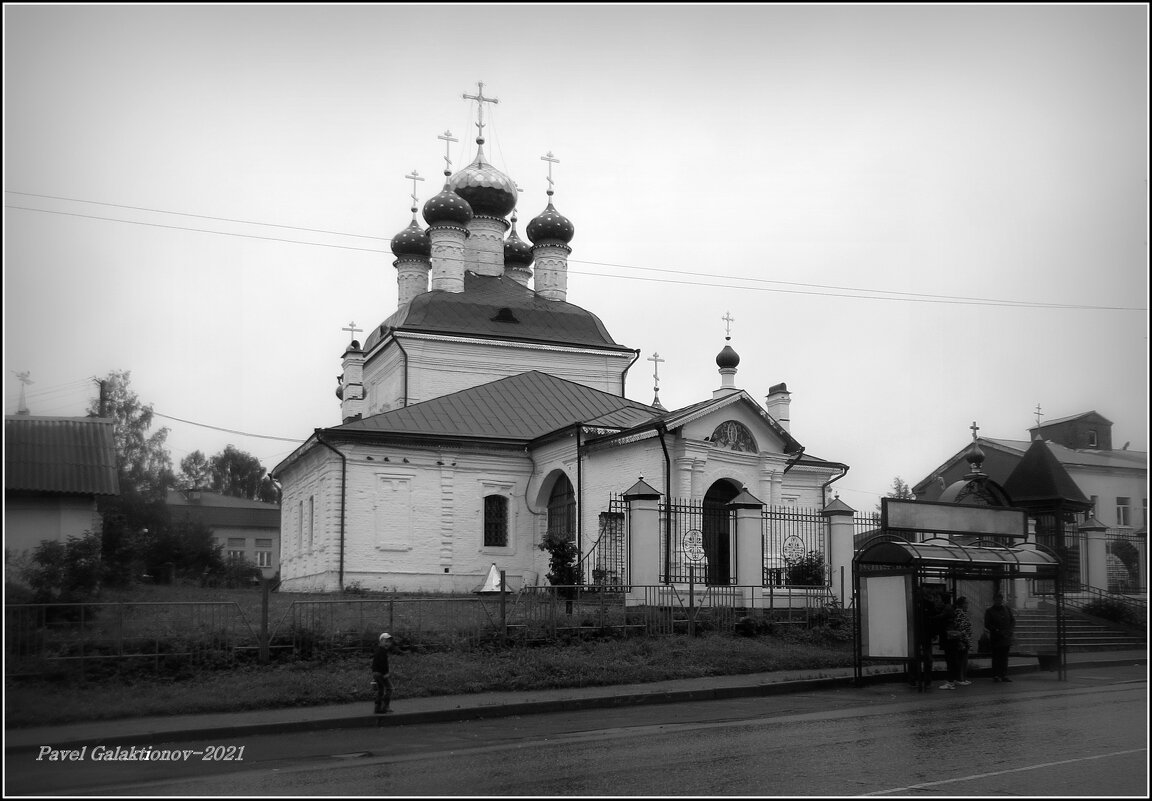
(345, 679)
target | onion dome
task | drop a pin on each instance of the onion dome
(974, 456)
(551, 225)
(516, 250)
(488, 191)
(727, 358)
(447, 207)
(412, 241)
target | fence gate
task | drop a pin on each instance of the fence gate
(790, 535)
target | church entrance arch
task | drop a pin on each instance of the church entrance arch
(717, 530)
(562, 509)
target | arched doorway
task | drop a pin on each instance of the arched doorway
(717, 531)
(562, 510)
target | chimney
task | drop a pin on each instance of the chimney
(777, 405)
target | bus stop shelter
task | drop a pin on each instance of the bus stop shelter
(893, 579)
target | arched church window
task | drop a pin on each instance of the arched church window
(562, 510)
(495, 521)
(735, 436)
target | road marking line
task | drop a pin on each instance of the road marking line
(1003, 772)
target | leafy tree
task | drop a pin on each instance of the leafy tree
(899, 489)
(237, 473)
(144, 464)
(270, 490)
(184, 548)
(195, 472)
(807, 570)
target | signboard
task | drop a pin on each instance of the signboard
(693, 542)
(953, 518)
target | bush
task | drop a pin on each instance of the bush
(806, 571)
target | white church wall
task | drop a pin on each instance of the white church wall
(384, 381)
(415, 523)
(309, 520)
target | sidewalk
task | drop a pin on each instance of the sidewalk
(155, 730)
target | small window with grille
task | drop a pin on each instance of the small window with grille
(495, 521)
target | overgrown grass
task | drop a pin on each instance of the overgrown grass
(579, 663)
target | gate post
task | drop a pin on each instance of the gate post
(749, 547)
(841, 545)
(1096, 547)
(643, 540)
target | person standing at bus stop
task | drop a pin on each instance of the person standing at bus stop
(957, 641)
(1000, 624)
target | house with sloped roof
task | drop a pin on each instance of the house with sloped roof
(1079, 473)
(247, 531)
(486, 414)
(55, 471)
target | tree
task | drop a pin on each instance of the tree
(237, 473)
(564, 571)
(144, 464)
(899, 489)
(195, 472)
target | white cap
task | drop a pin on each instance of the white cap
(385, 637)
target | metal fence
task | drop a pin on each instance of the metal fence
(605, 565)
(713, 527)
(41, 639)
(85, 635)
(795, 546)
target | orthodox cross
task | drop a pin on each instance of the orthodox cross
(728, 320)
(655, 359)
(448, 140)
(414, 177)
(480, 101)
(352, 327)
(974, 428)
(1038, 415)
(551, 160)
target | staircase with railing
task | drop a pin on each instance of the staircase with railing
(1084, 628)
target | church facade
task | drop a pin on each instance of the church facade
(486, 413)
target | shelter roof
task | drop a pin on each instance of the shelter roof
(499, 308)
(945, 553)
(67, 455)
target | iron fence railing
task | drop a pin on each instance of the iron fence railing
(795, 546)
(605, 565)
(43, 638)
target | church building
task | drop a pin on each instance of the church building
(486, 413)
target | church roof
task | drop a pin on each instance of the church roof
(70, 455)
(497, 307)
(519, 408)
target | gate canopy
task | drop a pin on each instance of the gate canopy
(946, 554)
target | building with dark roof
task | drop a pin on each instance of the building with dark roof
(1068, 474)
(247, 531)
(486, 413)
(55, 470)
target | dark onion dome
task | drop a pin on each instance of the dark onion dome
(727, 358)
(488, 191)
(550, 226)
(516, 250)
(412, 241)
(447, 207)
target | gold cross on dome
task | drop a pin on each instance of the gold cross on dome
(480, 101)
(1039, 414)
(352, 327)
(974, 428)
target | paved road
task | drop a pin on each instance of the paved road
(1087, 736)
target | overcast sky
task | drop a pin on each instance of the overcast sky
(918, 216)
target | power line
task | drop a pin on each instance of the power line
(886, 294)
(225, 430)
